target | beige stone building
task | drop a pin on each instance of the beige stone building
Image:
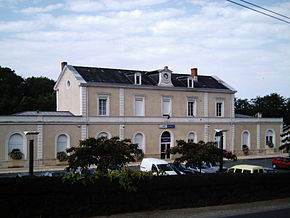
(153, 108)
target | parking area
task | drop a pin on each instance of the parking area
(264, 161)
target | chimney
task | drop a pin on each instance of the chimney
(62, 65)
(194, 73)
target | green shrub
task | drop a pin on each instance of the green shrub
(16, 154)
(61, 156)
(129, 179)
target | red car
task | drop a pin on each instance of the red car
(281, 162)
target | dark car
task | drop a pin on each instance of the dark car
(270, 170)
(53, 173)
(281, 162)
(181, 169)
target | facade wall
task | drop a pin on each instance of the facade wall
(113, 94)
(153, 101)
(50, 134)
(68, 96)
(151, 132)
(252, 129)
(212, 98)
(8, 130)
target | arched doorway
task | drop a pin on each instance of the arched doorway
(165, 144)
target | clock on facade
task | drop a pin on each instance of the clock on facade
(165, 76)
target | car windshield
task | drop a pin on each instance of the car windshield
(164, 167)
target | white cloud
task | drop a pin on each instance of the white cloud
(48, 8)
(9, 3)
(93, 6)
(243, 48)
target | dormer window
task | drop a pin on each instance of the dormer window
(190, 83)
(138, 79)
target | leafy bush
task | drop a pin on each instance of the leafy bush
(129, 179)
(61, 156)
(16, 154)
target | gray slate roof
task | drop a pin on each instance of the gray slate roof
(242, 116)
(149, 78)
(45, 113)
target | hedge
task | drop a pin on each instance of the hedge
(51, 197)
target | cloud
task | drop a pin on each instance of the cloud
(49, 8)
(9, 3)
(241, 47)
(93, 6)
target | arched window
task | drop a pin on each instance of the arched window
(191, 137)
(270, 138)
(61, 143)
(103, 135)
(246, 138)
(139, 139)
(15, 142)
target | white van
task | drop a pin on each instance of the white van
(157, 166)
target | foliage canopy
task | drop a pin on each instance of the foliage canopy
(272, 105)
(18, 94)
(102, 152)
(195, 154)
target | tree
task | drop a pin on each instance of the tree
(18, 94)
(243, 106)
(196, 153)
(38, 94)
(272, 105)
(102, 152)
(11, 90)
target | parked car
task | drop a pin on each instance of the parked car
(157, 166)
(202, 169)
(22, 175)
(53, 173)
(281, 162)
(245, 168)
(270, 170)
(182, 168)
(215, 166)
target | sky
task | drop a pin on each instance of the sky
(249, 51)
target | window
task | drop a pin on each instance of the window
(245, 138)
(103, 135)
(138, 139)
(166, 106)
(191, 107)
(103, 105)
(220, 108)
(270, 138)
(61, 143)
(68, 84)
(15, 142)
(139, 106)
(247, 171)
(190, 83)
(191, 137)
(138, 79)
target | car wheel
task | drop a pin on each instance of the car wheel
(274, 166)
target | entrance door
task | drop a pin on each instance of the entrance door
(165, 144)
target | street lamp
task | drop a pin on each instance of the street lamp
(219, 137)
(31, 135)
